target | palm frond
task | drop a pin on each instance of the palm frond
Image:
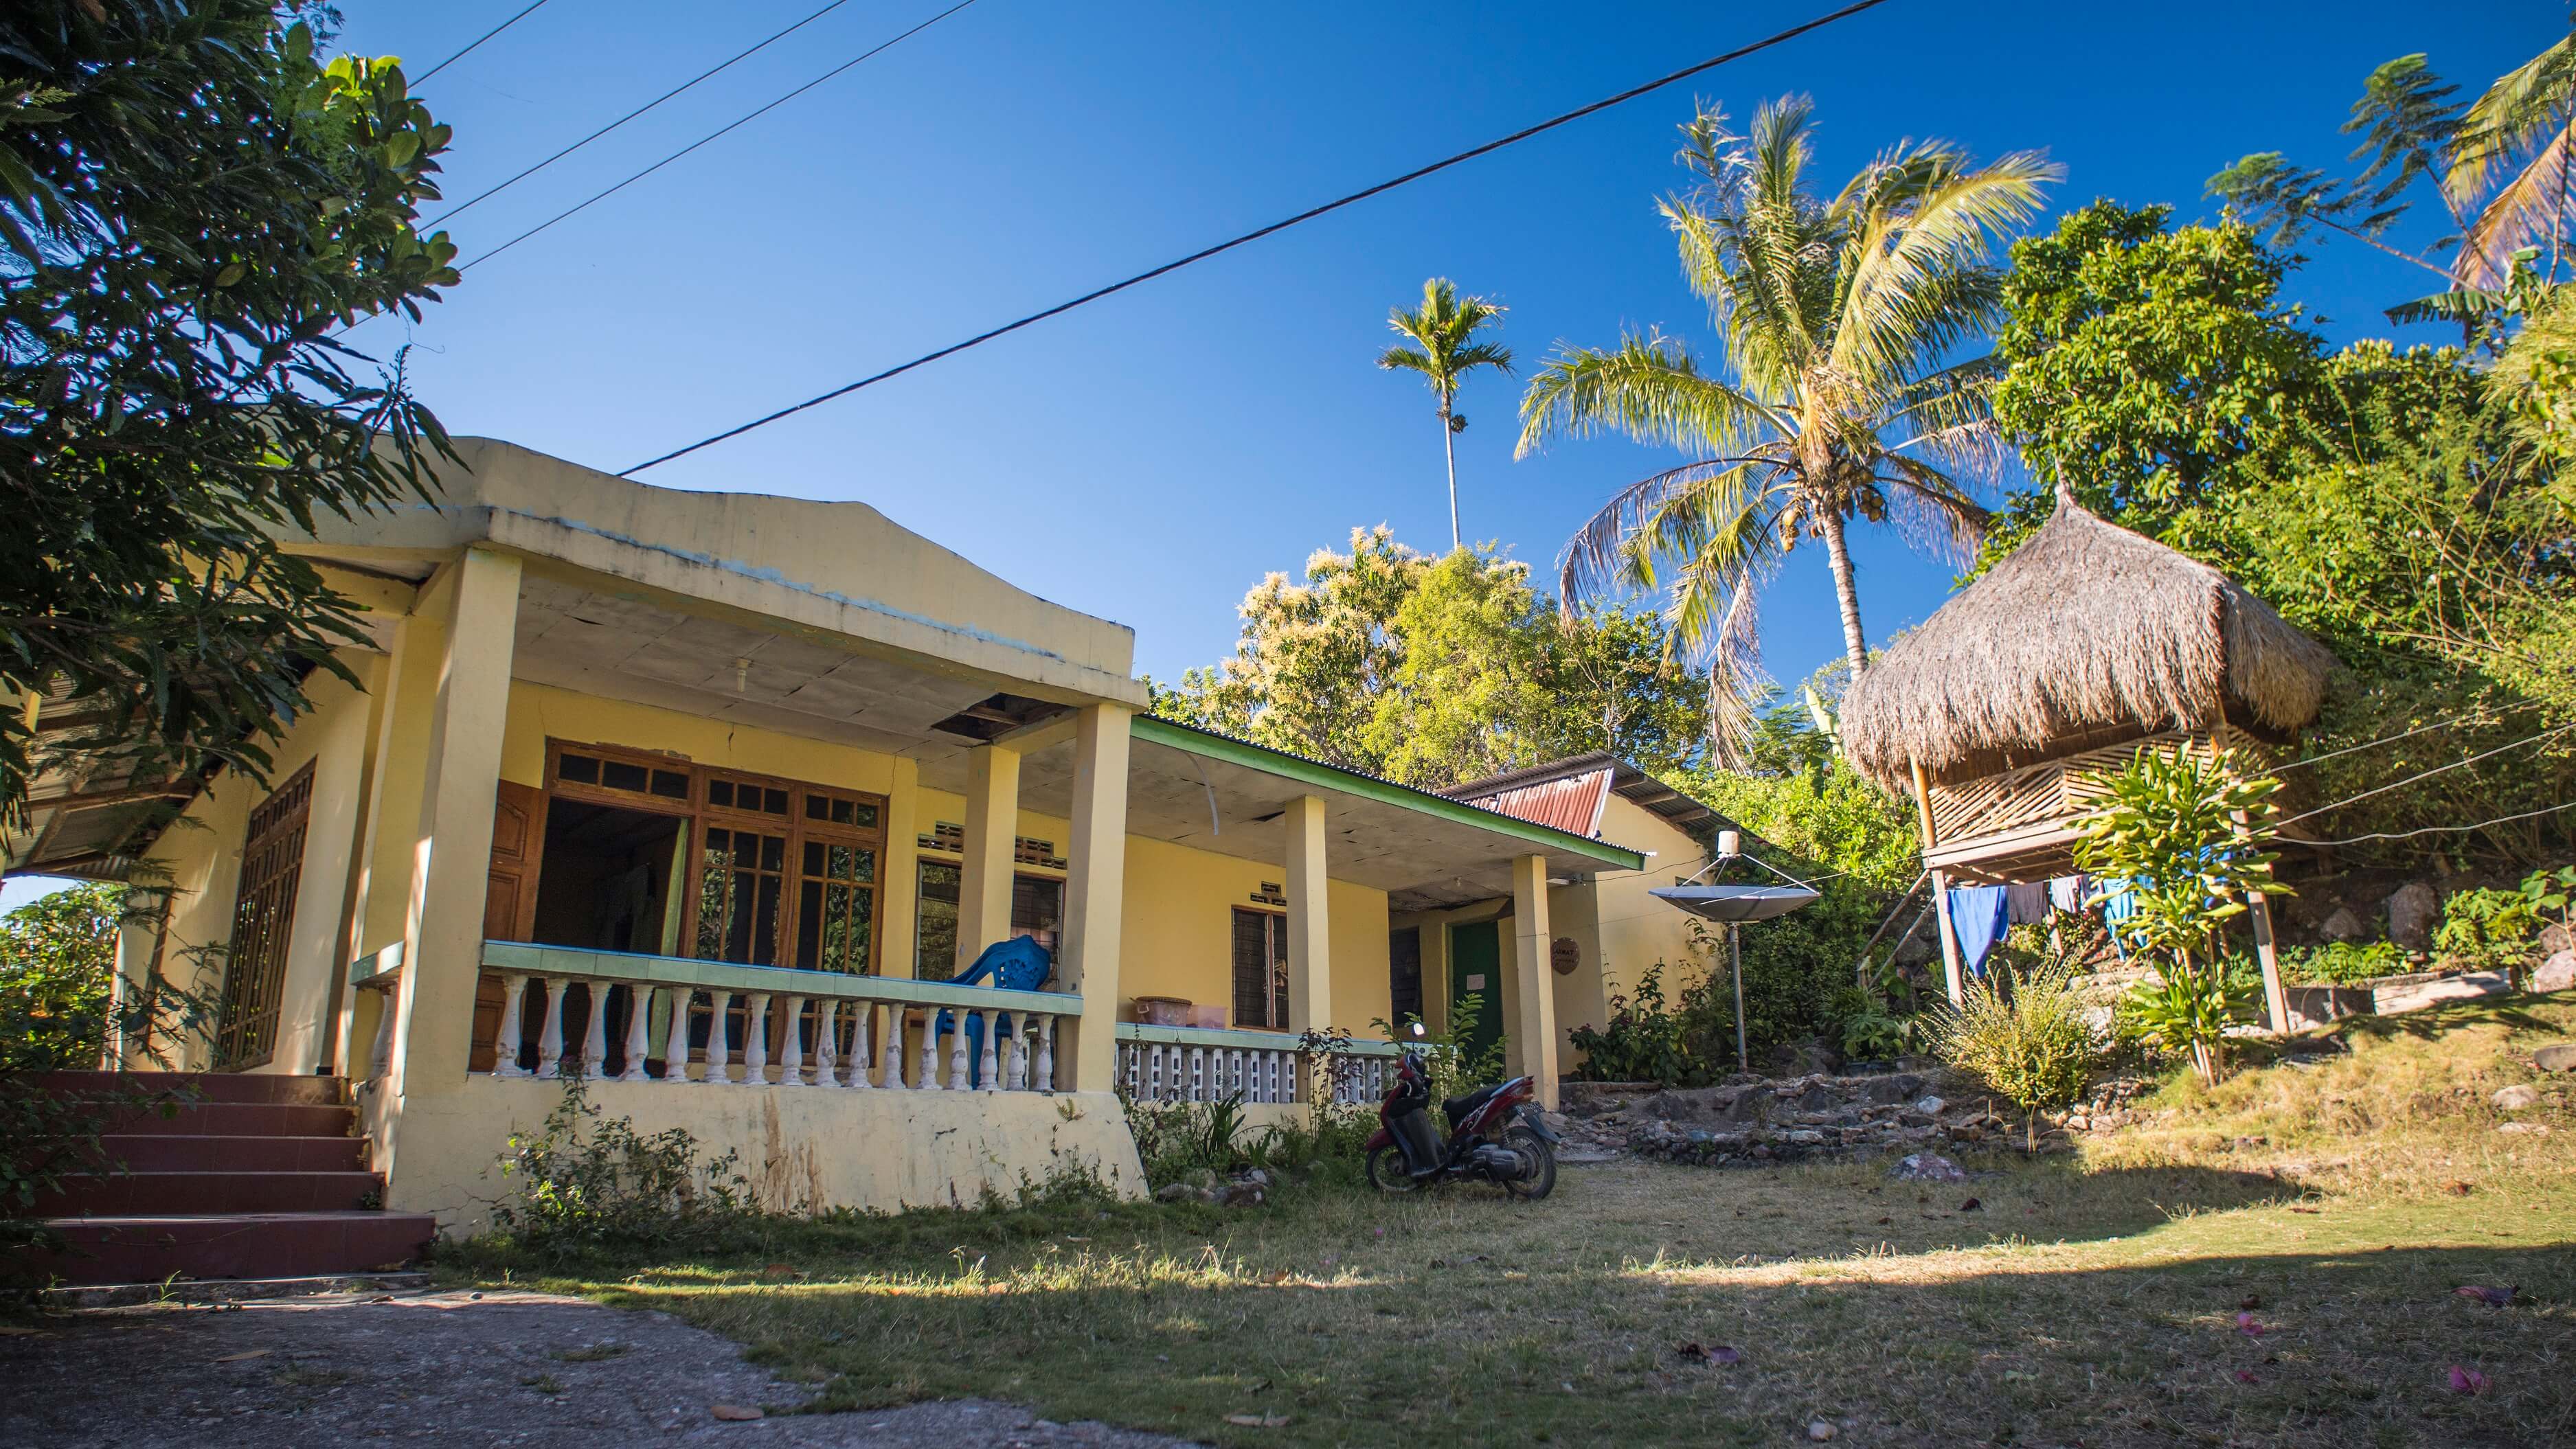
(1675, 512)
(1932, 510)
(2530, 208)
(2515, 115)
(1913, 261)
(1649, 389)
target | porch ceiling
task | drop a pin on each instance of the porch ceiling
(623, 645)
(1423, 851)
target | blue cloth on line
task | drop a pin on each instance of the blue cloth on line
(2119, 903)
(1018, 964)
(1978, 916)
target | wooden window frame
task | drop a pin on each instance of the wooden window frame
(1279, 1001)
(698, 815)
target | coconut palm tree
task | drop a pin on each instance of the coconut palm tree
(2511, 160)
(1839, 391)
(1444, 350)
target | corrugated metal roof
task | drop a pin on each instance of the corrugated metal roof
(1571, 803)
(1626, 781)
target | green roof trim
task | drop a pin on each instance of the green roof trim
(1369, 787)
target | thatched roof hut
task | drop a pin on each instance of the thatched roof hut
(2085, 636)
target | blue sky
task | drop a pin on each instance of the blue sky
(1150, 457)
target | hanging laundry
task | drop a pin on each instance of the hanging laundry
(2027, 904)
(2066, 892)
(1977, 921)
(2118, 905)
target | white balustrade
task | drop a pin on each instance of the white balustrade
(848, 1047)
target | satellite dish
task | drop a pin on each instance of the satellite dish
(1735, 903)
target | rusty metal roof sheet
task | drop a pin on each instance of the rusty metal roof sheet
(1571, 803)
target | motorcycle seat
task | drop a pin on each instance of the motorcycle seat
(1456, 1109)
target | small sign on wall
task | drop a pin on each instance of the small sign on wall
(1476, 982)
(1564, 955)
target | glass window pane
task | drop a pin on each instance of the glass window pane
(809, 928)
(842, 812)
(580, 769)
(621, 775)
(813, 857)
(773, 852)
(720, 792)
(715, 882)
(764, 942)
(774, 802)
(818, 807)
(866, 818)
(934, 954)
(670, 784)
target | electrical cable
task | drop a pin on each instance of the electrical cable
(443, 216)
(2439, 724)
(478, 40)
(2445, 829)
(2427, 774)
(1257, 234)
(713, 135)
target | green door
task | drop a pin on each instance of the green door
(1476, 969)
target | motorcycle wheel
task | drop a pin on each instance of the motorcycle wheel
(1386, 1170)
(1539, 1178)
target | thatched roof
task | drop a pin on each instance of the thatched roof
(2084, 635)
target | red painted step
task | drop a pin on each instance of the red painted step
(237, 1119)
(128, 1194)
(270, 1087)
(148, 1249)
(210, 1152)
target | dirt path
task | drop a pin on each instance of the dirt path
(461, 1370)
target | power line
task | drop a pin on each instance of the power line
(478, 40)
(631, 115)
(2439, 724)
(713, 135)
(1310, 214)
(2427, 774)
(2446, 829)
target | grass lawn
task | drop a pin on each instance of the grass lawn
(2092, 1301)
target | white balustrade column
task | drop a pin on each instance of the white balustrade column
(1046, 1054)
(675, 1038)
(893, 1054)
(719, 1045)
(755, 1040)
(594, 1033)
(550, 1040)
(791, 1052)
(957, 1051)
(988, 1065)
(929, 1080)
(860, 1061)
(512, 1036)
(1018, 1069)
(639, 1029)
(827, 1042)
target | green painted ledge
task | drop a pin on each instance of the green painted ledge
(679, 971)
(1369, 787)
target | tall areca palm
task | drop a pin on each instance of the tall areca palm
(1838, 390)
(1444, 349)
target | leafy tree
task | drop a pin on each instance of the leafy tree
(191, 203)
(1432, 671)
(1442, 333)
(2188, 839)
(1843, 394)
(57, 971)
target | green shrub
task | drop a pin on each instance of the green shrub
(2341, 963)
(2187, 1012)
(2026, 1037)
(1451, 1067)
(587, 1184)
(1643, 1042)
(2485, 929)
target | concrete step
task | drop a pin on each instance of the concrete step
(230, 1290)
(235, 1119)
(126, 1194)
(197, 1152)
(270, 1087)
(204, 1246)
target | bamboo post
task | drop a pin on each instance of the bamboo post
(1953, 977)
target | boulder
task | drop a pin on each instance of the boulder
(1930, 1106)
(1926, 1167)
(2559, 1058)
(2554, 938)
(2558, 973)
(2342, 925)
(2515, 1098)
(2413, 910)
(1175, 1192)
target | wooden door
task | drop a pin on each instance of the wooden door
(263, 927)
(509, 902)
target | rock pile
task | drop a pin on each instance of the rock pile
(1749, 1121)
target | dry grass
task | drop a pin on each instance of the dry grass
(2093, 1302)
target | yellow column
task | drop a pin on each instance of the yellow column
(1093, 889)
(1310, 934)
(992, 824)
(1534, 1017)
(452, 842)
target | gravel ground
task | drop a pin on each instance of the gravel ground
(465, 1370)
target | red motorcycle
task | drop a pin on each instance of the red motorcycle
(1496, 1135)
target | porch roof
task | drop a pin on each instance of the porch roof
(1214, 792)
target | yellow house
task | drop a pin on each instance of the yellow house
(704, 797)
